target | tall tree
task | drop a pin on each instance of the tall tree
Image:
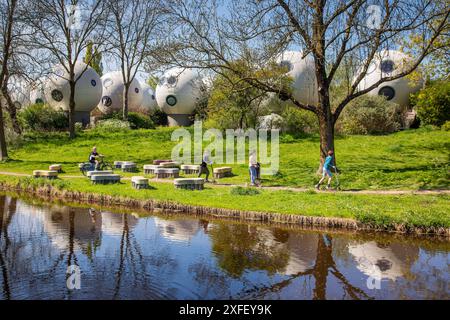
(64, 29)
(134, 25)
(206, 34)
(93, 58)
(7, 15)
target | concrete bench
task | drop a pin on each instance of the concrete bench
(190, 168)
(222, 172)
(129, 167)
(97, 172)
(48, 174)
(105, 178)
(162, 173)
(150, 168)
(171, 164)
(55, 167)
(159, 161)
(138, 182)
(189, 183)
(118, 164)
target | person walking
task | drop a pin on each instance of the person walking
(326, 171)
(204, 166)
(252, 164)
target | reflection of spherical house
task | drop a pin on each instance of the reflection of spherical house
(177, 230)
(301, 69)
(302, 252)
(386, 64)
(383, 262)
(113, 88)
(115, 223)
(148, 98)
(178, 93)
(88, 91)
(86, 226)
(19, 92)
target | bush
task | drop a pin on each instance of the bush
(112, 125)
(433, 104)
(446, 126)
(370, 115)
(41, 117)
(298, 121)
(159, 118)
(140, 121)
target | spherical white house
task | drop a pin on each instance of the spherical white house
(301, 69)
(37, 92)
(148, 98)
(389, 63)
(88, 91)
(178, 93)
(112, 97)
(19, 92)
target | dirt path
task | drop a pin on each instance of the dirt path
(276, 188)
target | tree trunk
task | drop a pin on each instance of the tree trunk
(72, 110)
(326, 130)
(10, 107)
(126, 89)
(3, 148)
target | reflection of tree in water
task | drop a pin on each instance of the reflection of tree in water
(241, 247)
(6, 215)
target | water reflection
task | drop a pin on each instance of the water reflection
(122, 256)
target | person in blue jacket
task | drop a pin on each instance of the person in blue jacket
(327, 165)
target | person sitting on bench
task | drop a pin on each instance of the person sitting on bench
(93, 159)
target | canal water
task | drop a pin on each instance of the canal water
(127, 256)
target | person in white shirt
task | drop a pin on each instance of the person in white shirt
(204, 166)
(252, 164)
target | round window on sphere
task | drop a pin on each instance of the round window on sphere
(153, 97)
(106, 101)
(388, 92)
(39, 101)
(93, 82)
(171, 80)
(57, 95)
(171, 100)
(387, 66)
(136, 90)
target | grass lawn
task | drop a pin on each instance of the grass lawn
(382, 210)
(412, 160)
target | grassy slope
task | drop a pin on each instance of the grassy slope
(418, 210)
(415, 159)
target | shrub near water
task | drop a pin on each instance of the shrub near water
(240, 191)
(433, 104)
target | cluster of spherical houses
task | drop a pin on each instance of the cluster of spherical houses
(180, 90)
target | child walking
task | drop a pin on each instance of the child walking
(327, 165)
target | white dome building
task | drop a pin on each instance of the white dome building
(148, 98)
(19, 92)
(178, 93)
(112, 97)
(304, 84)
(88, 91)
(386, 64)
(37, 92)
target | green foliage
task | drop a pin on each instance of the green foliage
(152, 81)
(31, 182)
(159, 117)
(240, 191)
(43, 118)
(446, 126)
(433, 103)
(140, 121)
(299, 122)
(93, 58)
(370, 115)
(112, 125)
